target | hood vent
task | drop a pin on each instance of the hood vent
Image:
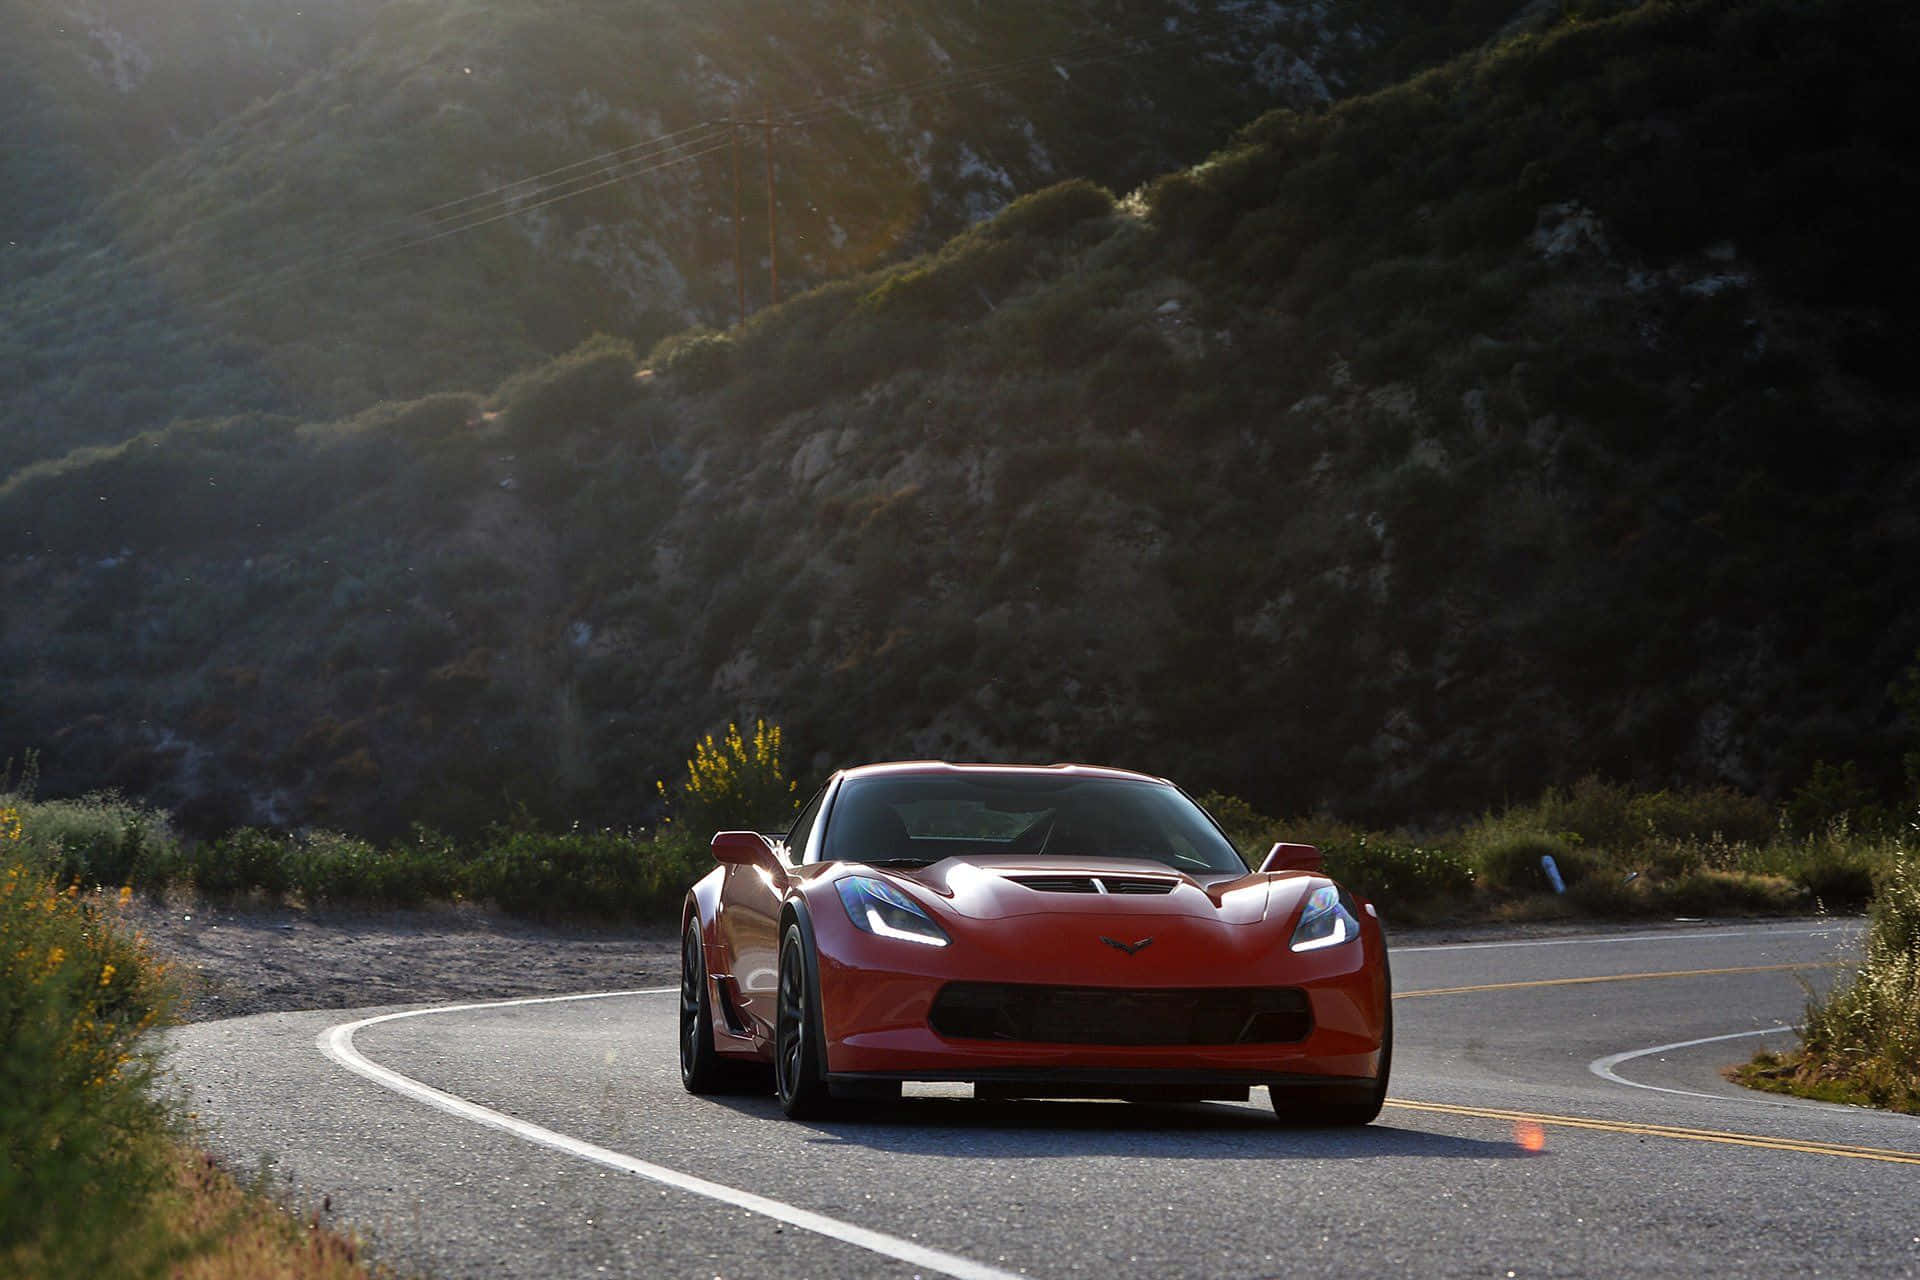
(1149, 885)
(1137, 884)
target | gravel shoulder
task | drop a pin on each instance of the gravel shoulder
(238, 959)
(242, 959)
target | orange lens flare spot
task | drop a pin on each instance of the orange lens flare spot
(1529, 1137)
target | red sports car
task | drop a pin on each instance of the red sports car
(1039, 932)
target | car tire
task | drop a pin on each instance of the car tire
(1344, 1108)
(702, 1069)
(799, 1076)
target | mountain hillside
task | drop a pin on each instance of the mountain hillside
(1538, 416)
(225, 204)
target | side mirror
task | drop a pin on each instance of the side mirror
(1293, 857)
(744, 848)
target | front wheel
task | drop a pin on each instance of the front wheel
(1348, 1108)
(799, 1077)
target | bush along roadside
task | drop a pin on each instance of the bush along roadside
(96, 1175)
(735, 779)
(1620, 854)
(1861, 1044)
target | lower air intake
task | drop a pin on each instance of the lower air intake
(1121, 1016)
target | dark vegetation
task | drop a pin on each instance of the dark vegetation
(1529, 420)
(197, 197)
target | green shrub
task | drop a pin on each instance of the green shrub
(1709, 891)
(1862, 1042)
(697, 360)
(585, 388)
(1702, 815)
(1594, 810)
(242, 861)
(1836, 796)
(735, 784)
(1609, 895)
(99, 839)
(327, 867)
(1401, 878)
(1509, 862)
(83, 1132)
(600, 874)
(1050, 213)
(422, 421)
(1839, 874)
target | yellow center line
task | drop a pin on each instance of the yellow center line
(1801, 1146)
(1617, 977)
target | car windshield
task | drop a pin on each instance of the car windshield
(923, 818)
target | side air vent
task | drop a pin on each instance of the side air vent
(1152, 885)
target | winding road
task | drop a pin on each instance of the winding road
(1557, 1109)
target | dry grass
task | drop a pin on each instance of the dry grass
(1862, 1043)
(94, 1180)
(232, 1233)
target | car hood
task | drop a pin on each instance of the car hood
(988, 888)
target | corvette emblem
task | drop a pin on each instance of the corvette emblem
(1132, 950)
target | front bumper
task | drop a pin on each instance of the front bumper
(1135, 1084)
(878, 996)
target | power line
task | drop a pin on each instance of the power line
(577, 164)
(327, 264)
(377, 245)
(453, 217)
(816, 110)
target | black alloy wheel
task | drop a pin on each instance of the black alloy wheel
(702, 1069)
(797, 1075)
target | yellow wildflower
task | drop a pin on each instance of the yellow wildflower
(106, 974)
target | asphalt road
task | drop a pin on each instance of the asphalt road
(1529, 1134)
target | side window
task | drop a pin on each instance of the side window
(803, 827)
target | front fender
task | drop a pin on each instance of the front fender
(797, 911)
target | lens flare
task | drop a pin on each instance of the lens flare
(1529, 1136)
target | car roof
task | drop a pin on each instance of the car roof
(938, 767)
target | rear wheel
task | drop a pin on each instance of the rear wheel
(799, 1077)
(702, 1069)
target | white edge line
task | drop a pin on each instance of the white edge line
(336, 1042)
(1838, 925)
(1604, 1068)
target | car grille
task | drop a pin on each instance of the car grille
(1096, 884)
(1121, 1016)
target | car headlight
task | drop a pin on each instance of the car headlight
(1327, 922)
(881, 909)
